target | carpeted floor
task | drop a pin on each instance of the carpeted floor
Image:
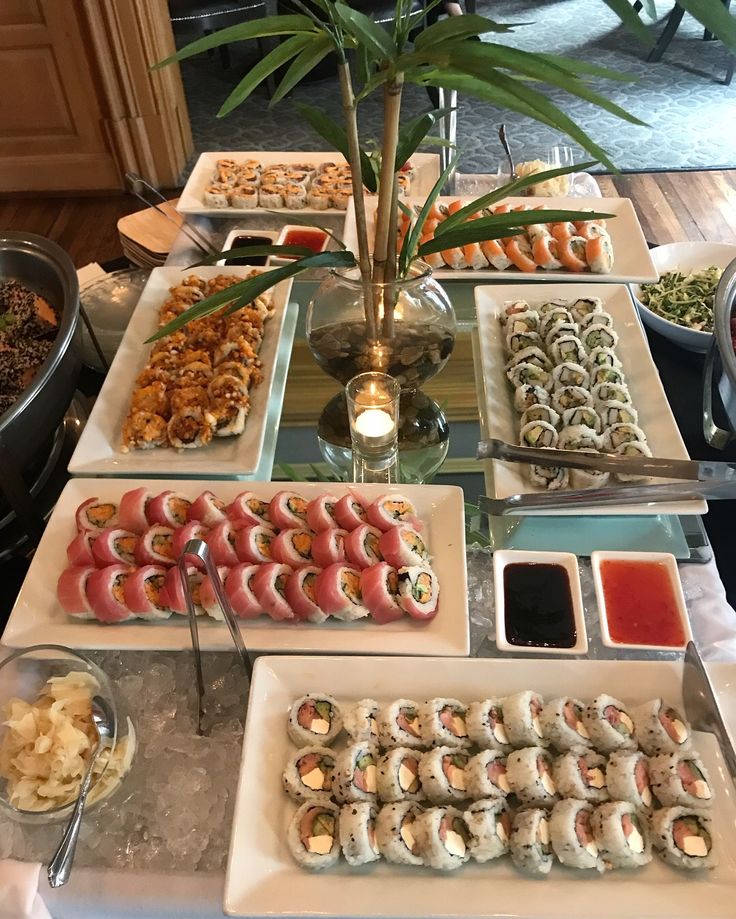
(691, 114)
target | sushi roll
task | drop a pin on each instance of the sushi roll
(315, 718)
(627, 778)
(106, 593)
(443, 724)
(250, 508)
(207, 509)
(567, 349)
(313, 835)
(598, 335)
(683, 837)
(362, 546)
(622, 433)
(269, 586)
(581, 774)
(132, 512)
(390, 510)
(530, 845)
(318, 198)
(227, 417)
(521, 718)
(321, 513)
(95, 515)
(217, 195)
(292, 547)
(622, 835)
(398, 776)
(560, 330)
(582, 415)
(680, 779)
(361, 720)
(531, 355)
(514, 308)
(525, 374)
(419, 591)
(540, 412)
(79, 551)
(399, 726)
(486, 727)
(519, 251)
(402, 546)
(379, 585)
(614, 412)
(545, 251)
(396, 833)
(578, 437)
(659, 728)
(155, 546)
(583, 307)
(607, 392)
(489, 823)
(337, 589)
(244, 197)
(603, 357)
(71, 591)
(221, 540)
(189, 429)
(295, 196)
(349, 513)
(454, 257)
(328, 547)
(549, 306)
(527, 395)
(569, 373)
(495, 254)
(443, 838)
(358, 833)
(606, 373)
(253, 544)
(609, 724)
(518, 341)
(113, 547)
(599, 253)
(356, 773)
(588, 478)
(239, 591)
(525, 321)
(271, 196)
(474, 256)
(538, 434)
(553, 315)
(208, 597)
(601, 318)
(287, 509)
(309, 774)
(144, 593)
(301, 594)
(485, 775)
(169, 509)
(571, 835)
(549, 477)
(571, 252)
(529, 773)
(174, 591)
(561, 721)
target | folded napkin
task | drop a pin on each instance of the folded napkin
(19, 897)
(712, 619)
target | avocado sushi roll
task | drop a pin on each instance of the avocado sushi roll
(570, 373)
(622, 835)
(684, 838)
(538, 434)
(314, 719)
(538, 411)
(313, 835)
(529, 394)
(570, 397)
(309, 774)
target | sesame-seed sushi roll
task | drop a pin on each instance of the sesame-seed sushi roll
(526, 373)
(105, 588)
(632, 448)
(419, 591)
(321, 513)
(217, 195)
(399, 725)
(609, 724)
(398, 776)
(221, 541)
(313, 835)
(309, 774)
(569, 373)
(402, 546)
(538, 434)
(358, 833)
(356, 773)
(79, 551)
(239, 591)
(293, 547)
(683, 837)
(319, 198)
(549, 477)
(527, 395)
(530, 846)
(71, 591)
(660, 728)
(253, 544)
(581, 774)
(96, 515)
(603, 357)
(396, 833)
(486, 727)
(606, 373)
(583, 307)
(390, 510)
(567, 348)
(155, 546)
(518, 341)
(529, 773)
(614, 412)
(269, 586)
(588, 478)
(208, 509)
(443, 838)
(627, 778)
(622, 835)
(538, 411)
(295, 196)
(287, 509)
(361, 720)
(578, 437)
(113, 546)
(328, 547)
(144, 592)
(315, 718)
(582, 415)
(349, 512)
(338, 593)
(489, 823)
(132, 513)
(622, 433)
(485, 775)
(443, 723)
(562, 724)
(531, 355)
(301, 594)
(680, 779)
(379, 586)
(362, 546)
(521, 713)
(571, 835)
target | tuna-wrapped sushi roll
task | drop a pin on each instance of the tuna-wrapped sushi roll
(361, 720)
(486, 727)
(622, 835)
(612, 411)
(144, 593)
(622, 433)
(132, 511)
(313, 835)
(250, 508)
(338, 593)
(96, 515)
(529, 773)
(609, 724)
(581, 774)
(182, 535)
(170, 508)
(71, 591)
(269, 586)
(485, 775)
(309, 774)
(349, 512)
(396, 833)
(321, 513)
(292, 547)
(113, 546)
(570, 373)
(328, 547)
(106, 593)
(356, 773)
(379, 586)
(521, 713)
(253, 544)
(582, 415)
(659, 728)
(301, 594)
(419, 591)
(683, 837)
(390, 510)
(571, 835)
(528, 395)
(314, 719)
(239, 591)
(402, 546)
(208, 509)
(287, 509)
(208, 597)
(358, 833)
(627, 778)
(538, 434)
(680, 778)
(362, 546)
(570, 397)
(221, 540)
(443, 837)
(155, 546)
(398, 776)
(399, 725)
(443, 723)
(526, 373)
(530, 845)
(562, 724)
(174, 592)
(79, 551)
(489, 823)
(540, 412)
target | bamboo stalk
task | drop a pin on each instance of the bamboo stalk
(389, 273)
(364, 257)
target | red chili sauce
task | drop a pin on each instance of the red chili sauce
(641, 606)
(310, 239)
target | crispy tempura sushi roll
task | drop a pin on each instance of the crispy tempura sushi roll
(287, 509)
(144, 592)
(680, 779)
(486, 727)
(396, 833)
(106, 593)
(244, 196)
(313, 836)
(622, 835)
(271, 195)
(96, 515)
(208, 509)
(169, 508)
(309, 774)
(349, 512)
(114, 547)
(269, 586)
(189, 429)
(627, 778)
(221, 541)
(228, 416)
(581, 774)
(328, 547)
(489, 823)
(356, 771)
(362, 546)
(301, 594)
(358, 833)
(527, 395)
(443, 838)
(295, 196)
(318, 198)
(173, 591)
(79, 551)
(398, 776)
(239, 591)
(443, 724)
(253, 544)
(402, 546)
(314, 719)
(521, 715)
(133, 510)
(485, 775)
(683, 837)
(338, 592)
(561, 721)
(71, 591)
(379, 585)
(659, 728)
(572, 837)
(321, 513)
(419, 591)
(531, 849)
(361, 720)
(391, 509)
(292, 547)
(399, 725)
(341, 195)
(155, 546)
(609, 724)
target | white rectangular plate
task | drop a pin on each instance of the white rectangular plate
(263, 879)
(632, 261)
(427, 167)
(36, 616)
(98, 451)
(647, 392)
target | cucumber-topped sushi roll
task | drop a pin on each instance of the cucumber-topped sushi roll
(607, 392)
(549, 477)
(578, 437)
(567, 348)
(396, 833)
(683, 837)
(529, 772)
(680, 778)
(518, 341)
(390, 510)
(361, 720)
(526, 321)
(598, 335)
(398, 776)
(530, 845)
(530, 355)
(605, 373)
(358, 833)
(314, 719)
(443, 723)
(399, 726)
(614, 412)
(609, 724)
(584, 415)
(362, 546)
(659, 728)
(313, 835)
(622, 433)
(356, 773)
(585, 306)
(569, 373)
(485, 775)
(570, 397)
(622, 835)
(402, 546)
(442, 774)
(486, 727)
(562, 724)
(489, 823)
(572, 837)
(581, 774)
(521, 718)
(338, 593)
(526, 373)
(443, 838)
(309, 774)
(627, 778)
(538, 411)
(538, 434)
(419, 591)
(527, 395)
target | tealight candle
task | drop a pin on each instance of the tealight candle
(373, 411)
(375, 426)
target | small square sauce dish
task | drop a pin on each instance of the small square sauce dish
(244, 238)
(295, 235)
(640, 601)
(539, 603)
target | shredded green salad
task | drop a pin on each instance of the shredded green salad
(686, 299)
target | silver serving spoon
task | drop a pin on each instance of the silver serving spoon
(60, 866)
(507, 150)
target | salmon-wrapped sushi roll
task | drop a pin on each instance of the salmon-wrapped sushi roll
(362, 546)
(379, 586)
(269, 586)
(79, 550)
(155, 546)
(419, 591)
(563, 230)
(571, 252)
(599, 253)
(474, 256)
(402, 546)
(544, 253)
(144, 592)
(182, 535)
(349, 512)
(338, 592)
(301, 594)
(240, 592)
(519, 250)
(71, 591)
(106, 593)
(208, 509)
(173, 591)
(292, 547)
(114, 547)
(389, 510)
(221, 541)
(434, 259)
(133, 510)
(328, 547)
(495, 253)
(454, 258)
(96, 515)
(250, 508)
(288, 509)
(170, 509)
(253, 544)
(321, 513)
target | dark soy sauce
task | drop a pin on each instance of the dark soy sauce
(538, 604)
(241, 242)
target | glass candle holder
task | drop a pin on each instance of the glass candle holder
(373, 411)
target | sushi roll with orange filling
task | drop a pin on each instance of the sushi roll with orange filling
(362, 546)
(328, 547)
(253, 544)
(169, 508)
(379, 585)
(250, 508)
(402, 546)
(288, 509)
(269, 586)
(321, 513)
(71, 591)
(419, 591)
(114, 547)
(338, 592)
(133, 510)
(302, 597)
(392, 509)
(95, 515)
(79, 551)
(293, 547)
(144, 593)
(106, 593)
(349, 512)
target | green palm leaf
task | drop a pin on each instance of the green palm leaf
(317, 49)
(630, 18)
(365, 31)
(715, 17)
(409, 245)
(336, 136)
(457, 27)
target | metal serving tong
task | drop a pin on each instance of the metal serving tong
(199, 549)
(701, 706)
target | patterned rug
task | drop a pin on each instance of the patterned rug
(690, 113)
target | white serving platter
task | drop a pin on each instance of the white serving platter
(99, 449)
(647, 392)
(191, 201)
(37, 617)
(263, 879)
(632, 261)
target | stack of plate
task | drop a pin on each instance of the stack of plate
(147, 236)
